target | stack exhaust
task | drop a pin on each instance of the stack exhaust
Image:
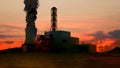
(30, 31)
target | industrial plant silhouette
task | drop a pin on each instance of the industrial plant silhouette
(63, 51)
(54, 40)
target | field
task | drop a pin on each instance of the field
(62, 60)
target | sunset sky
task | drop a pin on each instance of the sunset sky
(90, 20)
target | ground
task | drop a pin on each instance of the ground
(61, 60)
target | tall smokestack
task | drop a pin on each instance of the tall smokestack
(53, 18)
(31, 12)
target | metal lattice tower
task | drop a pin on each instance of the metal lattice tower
(53, 18)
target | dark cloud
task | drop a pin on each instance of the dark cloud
(5, 36)
(9, 29)
(99, 35)
(115, 34)
(2, 36)
(8, 36)
(8, 42)
(9, 26)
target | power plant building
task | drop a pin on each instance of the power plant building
(53, 39)
(62, 37)
(56, 37)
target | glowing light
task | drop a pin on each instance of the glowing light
(4, 46)
(105, 45)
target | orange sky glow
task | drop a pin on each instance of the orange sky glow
(92, 21)
(104, 45)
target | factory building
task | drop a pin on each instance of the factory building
(62, 37)
(52, 40)
(56, 39)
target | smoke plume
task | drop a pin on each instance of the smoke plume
(31, 10)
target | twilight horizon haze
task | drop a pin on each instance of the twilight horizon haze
(92, 21)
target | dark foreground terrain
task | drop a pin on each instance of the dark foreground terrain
(53, 60)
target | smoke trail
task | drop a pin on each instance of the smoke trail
(31, 10)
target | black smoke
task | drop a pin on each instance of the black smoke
(31, 10)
